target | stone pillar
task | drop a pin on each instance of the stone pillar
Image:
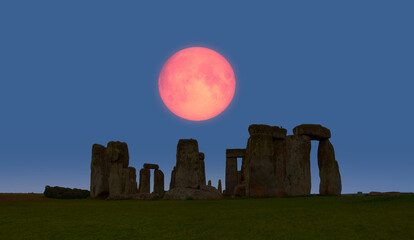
(298, 178)
(260, 173)
(159, 182)
(219, 186)
(172, 182)
(209, 183)
(144, 181)
(231, 175)
(118, 157)
(330, 178)
(202, 173)
(279, 159)
(188, 164)
(99, 172)
(130, 181)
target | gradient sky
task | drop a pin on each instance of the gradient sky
(75, 73)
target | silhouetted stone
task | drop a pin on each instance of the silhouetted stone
(330, 178)
(172, 182)
(279, 133)
(118, 157)
(219, 186)
(144, 181)
(202, 173)
(259, 156)
(209, 183)
(231, 175)
(130, 181)
(188, 164)
(298, 179)
(158, 182)
(150, 166)
(279, 161)
(99, 172)
(236, 153)
(314, 131)
(205, 192)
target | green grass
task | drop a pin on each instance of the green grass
(346, 217)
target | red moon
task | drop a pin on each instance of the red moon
(197, 83)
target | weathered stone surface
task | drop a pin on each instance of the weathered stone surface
(201, 156)
(314, 131)
(330, 178)
(202, 173)
(236, 153)
(180, 193)
(150, 166)
(279, 161)
(298, 179)
(118, 158)
(239, 174)
(260, 169)
(158, 182)
(209, 183)
(279, 133)
(144, 181)
(130, 181)
(100, 168)
(260, 129)
(240, 190)
(231, 175)
(117, 152)
(219, 186)
(188, 164)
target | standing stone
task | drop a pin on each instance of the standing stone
(144, 180)
(330, 178)
(260, 168)
(219, 185)
(158, 182)
(118, 157)
(298, 178)
(172, 182)
(202, 173)
(231, 175)
(130, 181)
(188, 164)
(209, 183)
(279, 161)
(99, 172)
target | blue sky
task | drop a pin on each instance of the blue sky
(75, 73)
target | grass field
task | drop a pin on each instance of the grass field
(30, 216)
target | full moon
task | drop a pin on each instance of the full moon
(197, 83)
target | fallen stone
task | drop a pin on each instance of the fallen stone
(314, 131)
(180, 193)
(330, 178)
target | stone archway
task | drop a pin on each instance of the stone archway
(145, 177)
